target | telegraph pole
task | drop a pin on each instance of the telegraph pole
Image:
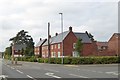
(62, 36)
(12, 53)
(49, 42)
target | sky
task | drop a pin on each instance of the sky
(99, 17)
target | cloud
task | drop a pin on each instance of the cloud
(99, 18)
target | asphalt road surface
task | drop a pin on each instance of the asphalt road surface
(36, 71)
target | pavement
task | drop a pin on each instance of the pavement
(38, 71)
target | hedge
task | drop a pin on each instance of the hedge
(73, 60)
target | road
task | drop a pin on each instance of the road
(38, 71)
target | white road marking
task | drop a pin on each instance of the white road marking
(78, 76)
(113, 73)
(51, 70)
(3, 76)
(52, 75)
(29, 76)
(12, 68)
(19, 71)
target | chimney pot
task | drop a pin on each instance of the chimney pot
(70, 28)
(56, 34)
(40, 39)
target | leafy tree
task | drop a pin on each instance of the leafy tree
(8, 52)
(23, 38)
(22, 51)
(79, 46)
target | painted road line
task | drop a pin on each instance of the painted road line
(78, 76)
(3, 76)
(113, 73)
(19, 71)
(30, 76)
(51, 70)
(12, 68)
(52, 75)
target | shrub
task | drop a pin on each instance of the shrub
(67, 60)
(73, 60)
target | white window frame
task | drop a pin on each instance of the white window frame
(74, 45)
(59, 46)
(59, 54)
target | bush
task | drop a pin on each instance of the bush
(73, 60)
(67, 60)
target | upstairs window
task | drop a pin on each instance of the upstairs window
(74, 44)
(58, 46)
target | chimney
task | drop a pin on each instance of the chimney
(70, 28)
(56, 34)
(40, 39)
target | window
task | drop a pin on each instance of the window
(55, 46)
(51, 46)
(75, 54)
(58, 46)
(74, 44)
(58, 54)
(38, 49)
(52, 54)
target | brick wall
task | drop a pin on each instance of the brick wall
(68, 44)
(114, 45)
(89, 49)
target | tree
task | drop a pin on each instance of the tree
(8, 52)
(23, 38)
(79, 46)
(22, 51)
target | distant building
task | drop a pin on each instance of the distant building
(38, 47)
(102, 46)
(16, 49)
(110, 48)
(69, 40)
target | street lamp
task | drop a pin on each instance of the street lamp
(49, 42)
(61, 14)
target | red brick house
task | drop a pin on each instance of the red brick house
(69, 40)
(102, 46)
(114, 44)
(16, 49)
(110, 48)
(38, 47)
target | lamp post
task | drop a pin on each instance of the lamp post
(61, 14)
(49, 54)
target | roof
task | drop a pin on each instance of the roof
(40, 42)
(19, 46)
(58, 38)
(102, 44)
(83, 36)
(115, 35)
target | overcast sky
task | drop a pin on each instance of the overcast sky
(99, 17)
